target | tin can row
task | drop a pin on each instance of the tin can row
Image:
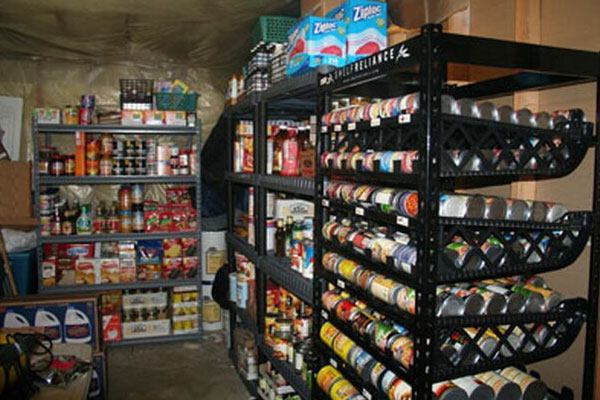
(379, 286)
(388, 200)
(410, 104)
(395, 251)
(398, 162)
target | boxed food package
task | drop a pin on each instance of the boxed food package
(189, 246)
(65, 271)
(176, 118)
(172, 248)
(149, 259)
(316, 41)
(294, 207)
(127, 271)
(190, 267)
(140, 329)
(87, 271)
(49, 271)
(366, 27)
(172, 268)
(47, 115)
(185, 310)
(79, 153)
(131, 117)
(154, 117)
(109, 270)
(111, 327)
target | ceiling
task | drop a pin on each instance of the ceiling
(199, 33)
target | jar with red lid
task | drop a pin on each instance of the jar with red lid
(46, 154)
(57, 166)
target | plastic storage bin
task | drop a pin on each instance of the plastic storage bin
(271, 29)
(23, 269)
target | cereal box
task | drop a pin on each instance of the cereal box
(366, 27)
(109, 270)
(316, 41)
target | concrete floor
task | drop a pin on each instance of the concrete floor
(182, 371)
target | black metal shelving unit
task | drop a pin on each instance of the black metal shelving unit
(420, 65)
(193, 136)
(293, 97)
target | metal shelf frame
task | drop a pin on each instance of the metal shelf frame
(194, 137)
(392, 72)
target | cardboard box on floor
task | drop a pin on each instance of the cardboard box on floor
(15, 196)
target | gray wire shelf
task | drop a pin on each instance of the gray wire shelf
(119, 129)
(281, 271)
(242, 246)
(117, 179)
(116, 286)
(244, 179)
(289, 184)
(156, 340)
(110, 237)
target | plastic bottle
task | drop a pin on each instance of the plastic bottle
(84, 224)
(280, 239)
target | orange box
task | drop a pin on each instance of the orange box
(79, 153)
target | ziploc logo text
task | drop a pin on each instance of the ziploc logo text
(324, 27)
(339, 15)
(360, 13)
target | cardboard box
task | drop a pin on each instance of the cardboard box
(366, 27)
(109, 270)
(145, 300)
(296, 208)
(47, 115)
(175, 118)
(72, 319)
(316, 41)
(127, 269)
(318, 8)
(154, 117)
(141, 329)
(15, 195)
(87, 271)
(129, 117)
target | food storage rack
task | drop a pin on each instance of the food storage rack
(293, 98)
(421, 65)
(193, 136)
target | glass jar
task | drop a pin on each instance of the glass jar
(46, 154)
(57, 166)
(70, 164)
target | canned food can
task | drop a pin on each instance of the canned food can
(543, 120)
(495, 208)
(387, 380)
(70, 116)
(539, 211)
(555, 211)
(409, 158)
(448, 104)
(342, 345)
(453, 205)
(327, 377)
(534, 302)
(473, 303)
(328, 333)
(402, 349)
(405, 258)
(346, 310)
(552, 298)
(464, 256)
(448, 304)
(368, 162)
(502, 387)
(384, 199)
(531, 388)
(494, 303)
(517, 210)
(409, 104)
(515, 302)
(363, 278)
(400, 390)
(448, 391)
(475, 388)
(507, 114)
(467, 108)
(92, 167)
(406, 299)
(88, 101)
(364, 194)
(487, 110)
(525, 117)
(377, 372)
(380, 333)
(384, 289)
(361, 323)
(406, 203)
(455, 349)
(85, 116)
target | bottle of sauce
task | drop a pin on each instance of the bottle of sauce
(280, 239)
(290, 154)
(67, 223)
(84, 224)
(113, 220)
(99, 220)
(56, 225)
(288, 235)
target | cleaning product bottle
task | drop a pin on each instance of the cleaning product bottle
(13, 319)
(51, 324)
(78, 328)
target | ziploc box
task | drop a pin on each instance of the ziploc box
(315, 41)
(366, 26)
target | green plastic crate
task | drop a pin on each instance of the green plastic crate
(272, 29)
(176, 101)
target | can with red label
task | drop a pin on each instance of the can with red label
(85, 116)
